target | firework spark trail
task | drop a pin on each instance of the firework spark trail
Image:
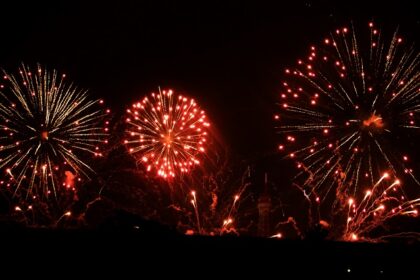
(354, 100)
(218, 211)
(197, 216)
(66, 214)
(292, 221)
(48, 126)
(167, 132)
(380, 203)
(228, 222)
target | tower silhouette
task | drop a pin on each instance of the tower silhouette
(264, 205)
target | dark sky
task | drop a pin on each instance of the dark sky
(229, 56)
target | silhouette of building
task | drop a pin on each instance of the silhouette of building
(264, 206)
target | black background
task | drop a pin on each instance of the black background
(228, 55)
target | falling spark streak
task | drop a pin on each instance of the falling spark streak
(197, 216)
(277, 235)
(235, 199)
(381, 203)
(66, 214)
(378, 206)
(229, 221)
(167, 132)
(47, 126)
(217, 213)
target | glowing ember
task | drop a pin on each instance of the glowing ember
(374, 121)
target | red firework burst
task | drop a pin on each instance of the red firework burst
(167, 132)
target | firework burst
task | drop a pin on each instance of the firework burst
(350, 110)
(167, 132)
(48, 127)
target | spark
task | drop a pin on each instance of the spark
(197, 215)
(277, 235)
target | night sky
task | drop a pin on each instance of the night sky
(229, 56)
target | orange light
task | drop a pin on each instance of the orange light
(374, 121)
(44, 135)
